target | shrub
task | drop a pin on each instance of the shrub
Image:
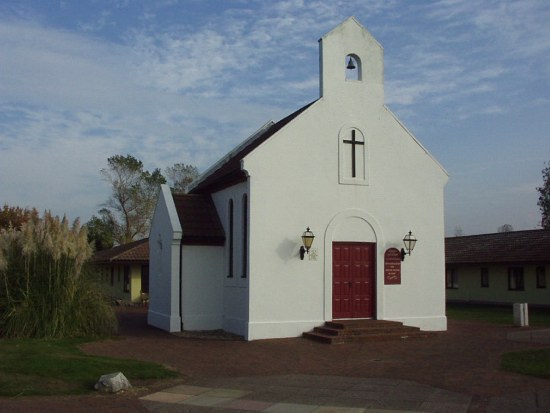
(45, 289)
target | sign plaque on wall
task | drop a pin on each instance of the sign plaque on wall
(392, 266)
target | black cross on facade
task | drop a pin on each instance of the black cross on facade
(353, 142)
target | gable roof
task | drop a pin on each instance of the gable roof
(228, 171)
(531, 246)
(136, 252)
(347, 22)
(199, 220)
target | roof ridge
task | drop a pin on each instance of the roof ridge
(499, 233)
(229, 155)
(113, 253)
(216, 173)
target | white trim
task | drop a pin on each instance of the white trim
(165, 322)
(172, 212)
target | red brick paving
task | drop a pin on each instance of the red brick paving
(464, 359)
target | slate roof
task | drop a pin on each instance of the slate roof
(532, 246)
(199, 220)
(136, 252)
(229, 172)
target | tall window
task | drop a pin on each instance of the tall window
(231, 246)
(515, 279)
(245, 236)
(126, 278)
(352, 157)
(541, 277)
(485, 277)
(451, 279)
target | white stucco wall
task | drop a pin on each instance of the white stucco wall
(235, 289)
(404, 192)
(202, 287)
(164, 259)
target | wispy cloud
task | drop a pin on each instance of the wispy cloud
(177, 81)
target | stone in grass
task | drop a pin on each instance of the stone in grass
(112, 383)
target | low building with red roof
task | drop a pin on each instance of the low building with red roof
(124, 271)
(500, 268)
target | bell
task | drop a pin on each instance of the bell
(350, 65)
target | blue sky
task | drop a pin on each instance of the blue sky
(185, 81)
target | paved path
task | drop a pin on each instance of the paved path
(455, 371)
(530, 336)
(305, 394)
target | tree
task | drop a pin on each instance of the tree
(458, 231)
(133, 198)
(101, 230)
(505, 228)
(15, 216)
(544, 197)
(180, 176)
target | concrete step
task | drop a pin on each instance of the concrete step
(344, 331)
(365, 331)
(365, 324)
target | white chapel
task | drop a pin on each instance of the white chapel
(342, 172)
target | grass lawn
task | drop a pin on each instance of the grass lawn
(532, 362)
(538, 317)
(48, 367)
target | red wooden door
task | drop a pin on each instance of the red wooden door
(353, 279)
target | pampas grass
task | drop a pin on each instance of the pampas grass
(46, 289)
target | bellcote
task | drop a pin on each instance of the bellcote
(351, 63)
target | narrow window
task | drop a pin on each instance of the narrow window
(126, 278)
(352, 147)
(245, 236)
(515, 279)
(112, 275)
(541, 277)
(451, 279)
(485, 277)
(145, 278)
(231, 223)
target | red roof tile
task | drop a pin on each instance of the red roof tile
(532, 246)
(199, 220)
(133, 252)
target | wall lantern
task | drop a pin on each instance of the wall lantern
(307, 240)
(410, 241)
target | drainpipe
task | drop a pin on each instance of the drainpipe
(180, 285)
